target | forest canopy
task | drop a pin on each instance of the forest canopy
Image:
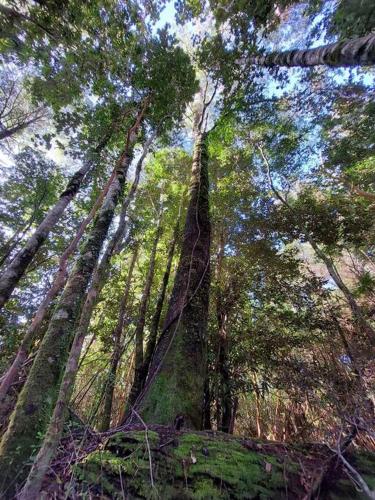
(187, 253)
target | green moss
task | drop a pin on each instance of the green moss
(234, 468)
(201, 466)
(180, 383)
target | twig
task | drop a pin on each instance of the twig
(357, 478)
(147, 444)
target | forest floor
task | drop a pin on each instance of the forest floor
(135, 461)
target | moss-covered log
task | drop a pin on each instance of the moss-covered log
(162, 463)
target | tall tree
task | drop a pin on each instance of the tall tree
(178, 367)
(18, 443)
(117, 346)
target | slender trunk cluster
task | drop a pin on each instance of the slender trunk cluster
(59, 281)
(356, 52)
(38, 397)
(178, 367)
(117, 347)
(224, 400)
(113, 247)
(154, 328)
(138, 369)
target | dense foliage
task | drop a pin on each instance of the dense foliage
(132, 287)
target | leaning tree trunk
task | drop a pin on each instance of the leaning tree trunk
(178, 367)
(356, 52)
(138, 367)
(151, 342)
(117, 348)
(37, 399)
(16, 269)
(32, 333)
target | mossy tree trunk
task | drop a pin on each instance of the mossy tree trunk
(175, 384)
(38, 397)
(60, 278)
(46, 453)
(113, 247)
(117, 347)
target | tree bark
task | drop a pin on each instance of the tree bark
(356, 52)
(58, 284)
(138, 367)
(38, 397)
(117, 347)
(178, 368)
(16, 269)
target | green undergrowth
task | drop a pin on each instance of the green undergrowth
(195, 466)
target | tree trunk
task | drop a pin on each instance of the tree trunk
(225, 405)
(113, 246)
(138, 368)
(117, 348)
(224, 377)
(151, 343)
(16, 269)
(37, 399)
(356, 52)
(58, 284)
(14, 241)
(178, 368)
